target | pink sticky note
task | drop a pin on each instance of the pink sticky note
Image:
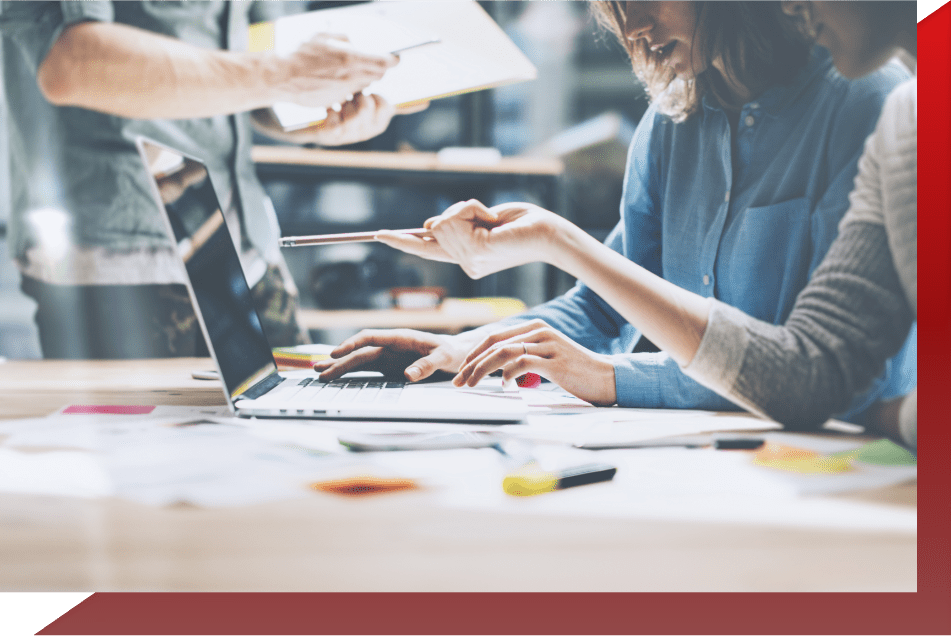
(115, 409)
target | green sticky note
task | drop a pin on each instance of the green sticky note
(886, 453)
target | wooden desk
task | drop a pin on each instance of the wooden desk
(394, 542)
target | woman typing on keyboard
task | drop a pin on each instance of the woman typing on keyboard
(737, 179)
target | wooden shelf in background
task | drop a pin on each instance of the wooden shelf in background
(452, 316)
(398, 161)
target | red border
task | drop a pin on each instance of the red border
(934, 205)
(924, 612)
(499, 613)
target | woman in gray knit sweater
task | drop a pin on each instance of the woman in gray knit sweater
(855, 313)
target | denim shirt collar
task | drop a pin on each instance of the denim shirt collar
(774, 100)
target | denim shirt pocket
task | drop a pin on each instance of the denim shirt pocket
(763, 261)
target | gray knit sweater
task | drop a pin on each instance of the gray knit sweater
(857, 309)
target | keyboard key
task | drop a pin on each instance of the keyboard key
(325, 394)
(348, 393)
(367, 395)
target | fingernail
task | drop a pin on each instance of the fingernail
(413, 372)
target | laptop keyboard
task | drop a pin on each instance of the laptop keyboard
(343, 390)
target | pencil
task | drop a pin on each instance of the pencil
(350, 237)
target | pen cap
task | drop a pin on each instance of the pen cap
(533, 480)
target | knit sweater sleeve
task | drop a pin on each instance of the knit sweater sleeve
(856, 310)
(846, 323)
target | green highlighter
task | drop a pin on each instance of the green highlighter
(533, 480)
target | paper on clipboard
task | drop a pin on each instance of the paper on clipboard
(467, 50)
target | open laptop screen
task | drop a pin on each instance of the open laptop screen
(230, 323)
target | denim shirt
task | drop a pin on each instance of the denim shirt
(744, 219)
(85, 162)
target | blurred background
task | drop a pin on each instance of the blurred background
(581, 110)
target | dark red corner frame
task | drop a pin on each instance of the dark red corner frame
(924, 612)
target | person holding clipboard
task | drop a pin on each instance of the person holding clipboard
(737, 179)
(82, 80)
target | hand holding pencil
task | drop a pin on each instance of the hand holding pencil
(483, 240)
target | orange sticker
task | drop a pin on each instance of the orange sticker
(771, 451)
(364, 485)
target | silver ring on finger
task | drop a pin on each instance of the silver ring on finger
(525, 348)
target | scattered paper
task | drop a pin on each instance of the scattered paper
(604, 427)
(210, 464)
(694, 485)
(181, 455)
(208, 458)
(60, 473)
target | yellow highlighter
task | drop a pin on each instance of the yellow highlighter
(533, 480)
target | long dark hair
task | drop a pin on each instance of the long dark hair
(759, 45)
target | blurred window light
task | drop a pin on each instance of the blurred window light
(345, 202)
(52, 229)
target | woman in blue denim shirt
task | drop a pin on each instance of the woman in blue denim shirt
(737, 177)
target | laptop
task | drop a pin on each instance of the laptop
(231, 327)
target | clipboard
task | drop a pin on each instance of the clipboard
(465, 50)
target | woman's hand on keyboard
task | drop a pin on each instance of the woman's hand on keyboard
(535, 347)
(407, 353)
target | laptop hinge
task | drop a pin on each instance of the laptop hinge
(261, 387)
